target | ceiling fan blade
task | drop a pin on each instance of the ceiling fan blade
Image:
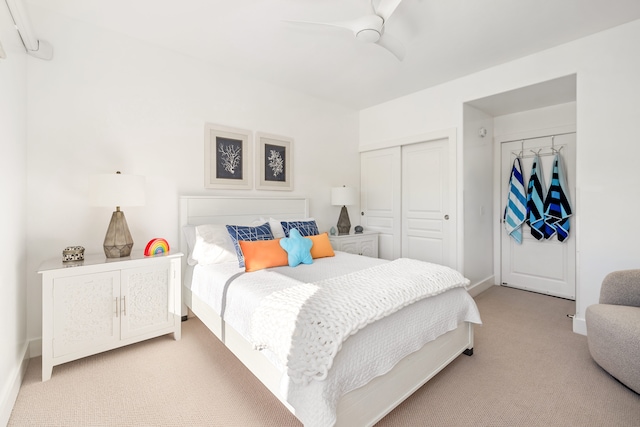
(348, 25)
(386, 8)
(393, 45)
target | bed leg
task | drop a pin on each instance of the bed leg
(468, 352)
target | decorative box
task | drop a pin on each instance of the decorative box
(73, 253)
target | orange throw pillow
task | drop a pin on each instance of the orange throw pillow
(321, 246)
(262, 254)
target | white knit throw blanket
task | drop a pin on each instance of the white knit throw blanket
(306, 325)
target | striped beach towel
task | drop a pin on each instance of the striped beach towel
(557, 208)
(535, 200)
(516, 209)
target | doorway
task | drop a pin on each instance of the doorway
(548, 265)
(543, 108)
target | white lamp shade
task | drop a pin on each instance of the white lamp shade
(116, 190)
(344, 196)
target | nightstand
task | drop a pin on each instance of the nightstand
(103, 303)
(365, 243)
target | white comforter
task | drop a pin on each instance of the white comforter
(306, 325)
(371, 352)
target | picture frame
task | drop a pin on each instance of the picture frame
(227, 157)
(274, 162)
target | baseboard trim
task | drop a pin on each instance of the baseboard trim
(579, 325)
(12, 387)
(476, 289)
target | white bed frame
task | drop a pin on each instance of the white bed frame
(361, 407)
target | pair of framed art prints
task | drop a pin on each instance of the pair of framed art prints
(229, 159)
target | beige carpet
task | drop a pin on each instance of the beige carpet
(529, 369)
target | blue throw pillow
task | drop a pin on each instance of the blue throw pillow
(306, 228)
(298, 248)
(250, 234)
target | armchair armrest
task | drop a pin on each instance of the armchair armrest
(621, 288)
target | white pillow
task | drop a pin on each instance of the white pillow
(276, 227)
(213, 245)
(189, 232)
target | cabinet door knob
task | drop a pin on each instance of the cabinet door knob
(446, 217)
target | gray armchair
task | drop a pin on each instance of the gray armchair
(613, 327)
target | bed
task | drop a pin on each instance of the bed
(359, 389)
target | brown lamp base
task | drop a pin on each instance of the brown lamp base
(118, 241)
(344, 225)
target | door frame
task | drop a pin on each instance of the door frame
(498, 206)
(455, 177)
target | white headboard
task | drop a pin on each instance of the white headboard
(198, 210)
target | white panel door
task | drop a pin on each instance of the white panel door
(426, 227)
(545, 266)
(380, 191)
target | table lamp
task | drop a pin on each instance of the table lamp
(344, 196)
(117, 190)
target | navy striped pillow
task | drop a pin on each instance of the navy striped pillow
(306, 228)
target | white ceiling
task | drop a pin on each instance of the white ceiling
(444, 39)
(544, 94)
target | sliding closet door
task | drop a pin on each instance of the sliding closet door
(545, 266)
(380, 198)
(426, 231)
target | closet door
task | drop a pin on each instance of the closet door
(426, 222)
(380, 190)
(545, 266)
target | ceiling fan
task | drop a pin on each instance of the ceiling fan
(370, 28)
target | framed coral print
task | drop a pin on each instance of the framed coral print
(227, 157)
(274, 162)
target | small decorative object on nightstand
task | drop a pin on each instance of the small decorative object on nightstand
(358, 229)
(73, 253)
(365, 243)
(156, 247)
(332, 231)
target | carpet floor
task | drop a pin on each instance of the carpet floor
(528, 369)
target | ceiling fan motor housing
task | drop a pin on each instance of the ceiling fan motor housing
(368, 35)
(368, 29)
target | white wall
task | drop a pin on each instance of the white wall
(13, 227)
(607, 67)
(478, 197)
(108, 102)
(539, 120)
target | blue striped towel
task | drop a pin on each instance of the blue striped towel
(516, 209)
(557, 208)
(535, 200)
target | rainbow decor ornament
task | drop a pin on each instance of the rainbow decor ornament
(156, 246)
